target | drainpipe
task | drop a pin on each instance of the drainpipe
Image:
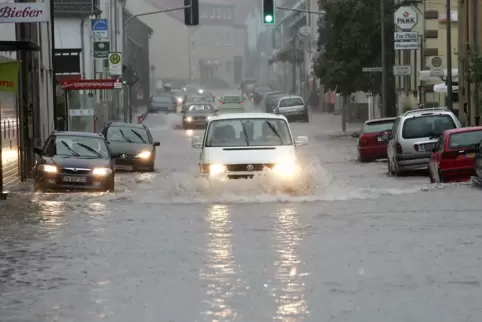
(475, 12)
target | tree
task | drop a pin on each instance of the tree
(350, 39)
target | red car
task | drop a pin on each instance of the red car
(452, 159)
(373, 139)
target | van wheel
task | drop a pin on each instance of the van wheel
(396, 170)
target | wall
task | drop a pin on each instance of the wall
(46, 75)
(68, 34)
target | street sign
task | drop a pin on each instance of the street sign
(436, 72)
(402, 70)
(305, 31)
(82, 112)
(100, 29)
(405, 18)
(115, 64)
(371, 69)
(117, 85)
(405, 40)
(436, 61)
(101, 49)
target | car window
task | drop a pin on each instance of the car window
(377, 126)
(127, 134)
(199, 107)
(248, 132)
(78, 146)
(231, 99)
(162, 98)
(296, 101)
(465, 139)
(427, 126)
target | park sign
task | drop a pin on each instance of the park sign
(405, 18)
(9, 76)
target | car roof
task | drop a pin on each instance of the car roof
(74, 133)
(464, 129)
(119, 124)
(231, 95)
(384, 119)
(426, 110)
(291, 96)
(198, 102)
(234, 116)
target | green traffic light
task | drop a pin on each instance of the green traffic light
(268, 18)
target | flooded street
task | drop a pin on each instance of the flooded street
(349, 243)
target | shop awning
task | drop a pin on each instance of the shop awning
(7, 45)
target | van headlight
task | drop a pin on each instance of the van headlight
(217, 169)
(286, 170)
(144, 155)
(188, 119)
(101, 172)
(201, 91)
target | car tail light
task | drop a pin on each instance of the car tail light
(399, 148)
(450, 154)
(221, 102)
(415, 147)
(241, 102)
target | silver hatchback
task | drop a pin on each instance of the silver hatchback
(293, 107)
(414, 136)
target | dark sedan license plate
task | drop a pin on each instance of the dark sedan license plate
(75, 179)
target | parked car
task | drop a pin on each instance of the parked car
(74, 160)
(264, 101)
(132, 146)
(293, 108)
(272, 102)
(477, 179)
(453, 158)
(415, 135)
(259, 91)
(197, 115)
(190, 99)
(373, 139)
(162, 102)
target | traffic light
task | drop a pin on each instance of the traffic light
(269, 8)
(191, 14)
(129, 76)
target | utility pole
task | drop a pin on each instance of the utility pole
(384, 61)
(449, 57)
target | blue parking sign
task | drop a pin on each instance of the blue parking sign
(100, 24)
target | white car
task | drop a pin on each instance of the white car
(242, 145)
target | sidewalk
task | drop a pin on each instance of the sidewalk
(331, 126)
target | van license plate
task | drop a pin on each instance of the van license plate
(75, 179)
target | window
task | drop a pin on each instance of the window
(426, 126)
(127, 134)
(248, 132)
(465, 139)
(77, 146)
(231, 99)
(379, 126)
(287, 102)
(199, 107)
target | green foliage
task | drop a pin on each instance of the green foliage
(474, 67)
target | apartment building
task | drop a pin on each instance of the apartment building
(469, 39)
(210, 52)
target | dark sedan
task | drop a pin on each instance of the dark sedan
(162, 102)
(197, 115)
(74, 160)
(132, 146)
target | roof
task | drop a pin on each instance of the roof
(73, 133)
(249, 116)
(385, 119)
(199, 102)
(464, 129)
(134, 125)
(291, 96)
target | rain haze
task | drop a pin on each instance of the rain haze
(245, 184)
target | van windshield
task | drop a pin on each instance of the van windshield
(427, 126)
(248, 132)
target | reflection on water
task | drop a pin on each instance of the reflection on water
(290, 298)
(219, 273)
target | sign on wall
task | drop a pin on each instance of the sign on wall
(115, 64)
(101, 49)
(100, 36)
(24, 12)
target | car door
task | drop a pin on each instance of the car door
(392, 142)
(434, 161)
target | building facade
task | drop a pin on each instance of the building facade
(26, 116)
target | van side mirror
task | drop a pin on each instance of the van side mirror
(390, 136)
(37, 151)
(301, 141)
(157, 143)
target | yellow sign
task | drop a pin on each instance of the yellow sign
(115, 59)
(9, 76)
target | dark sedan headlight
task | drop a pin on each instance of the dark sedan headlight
(188, 119)
(47, 168)
(144, 155)
(101, 172)
(209, 117)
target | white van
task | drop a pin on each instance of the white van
(242, 145)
